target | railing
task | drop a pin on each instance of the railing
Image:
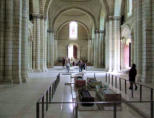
(46, 98)
(111, 77)
(76, 108)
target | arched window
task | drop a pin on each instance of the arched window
(73, 30)
(130, 7)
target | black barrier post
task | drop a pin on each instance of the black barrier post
(109, 79)
(47, 100)
(152, 104)
(37, 110)
(125, 87)
(106, 78)
(116, 82)
(120, 83)
(132, 92)
(43, 107)
(112, 80)
(76, 111)
(50, 94)
(140, 93)
(114, 111)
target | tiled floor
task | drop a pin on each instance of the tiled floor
(19, 101)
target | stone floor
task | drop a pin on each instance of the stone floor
(19, 101)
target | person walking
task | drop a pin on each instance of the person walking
(132, 75)
(63, 62)
(67, 62)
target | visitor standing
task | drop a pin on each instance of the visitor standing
(132, 75)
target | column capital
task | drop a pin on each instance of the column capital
(114, 17)
(99, 31)
(38, 16)
(50, 31)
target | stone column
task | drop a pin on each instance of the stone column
(45, 44)
(2, 20)
(92, 51)
(24, 41)
(89, 50)
(8, 45)
(96, 49)
(55, 51)
(107, 48)
(101, 49)
(17, 41)
(110, 41)
(116, 42)
(147, 58)
(50, 49)
(36, 43)
(42, 45)
(153, 38)
(138, 39)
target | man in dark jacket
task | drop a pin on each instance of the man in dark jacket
(132, 75)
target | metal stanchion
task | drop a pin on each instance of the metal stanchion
(112, 80)
(152, 104)
(47, 100)
(125, 87)
(37, 110)
(120, 83)
(140, 93)
(76, 111)
(114, 111)
(43, 107)
(50, 94)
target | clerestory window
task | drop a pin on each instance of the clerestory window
(130, 7)
(73, 30)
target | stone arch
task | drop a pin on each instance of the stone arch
(63, 24)
(126, 47)
(78, 8)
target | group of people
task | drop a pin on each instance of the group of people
(82, 66)
(67, 62)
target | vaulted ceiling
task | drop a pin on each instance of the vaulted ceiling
(86, 12)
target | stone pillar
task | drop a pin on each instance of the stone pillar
(101, 49)
(36, 43)
(55, 51)
(153, 38)
(89, 51)
(17, 42)
(92, 51)
(42, 45)
(147, 58)
(96, 49)
(45, 44)
(139, 38)
(2, 20)
(107, 48)
(116, 42)
(50, 49)
(110, 41)
(8, 45)
(24, 41)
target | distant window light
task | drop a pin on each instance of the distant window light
(130, 7)
(73, 30)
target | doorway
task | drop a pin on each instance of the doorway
(72, 51)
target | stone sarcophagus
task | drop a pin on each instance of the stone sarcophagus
(84, 96)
